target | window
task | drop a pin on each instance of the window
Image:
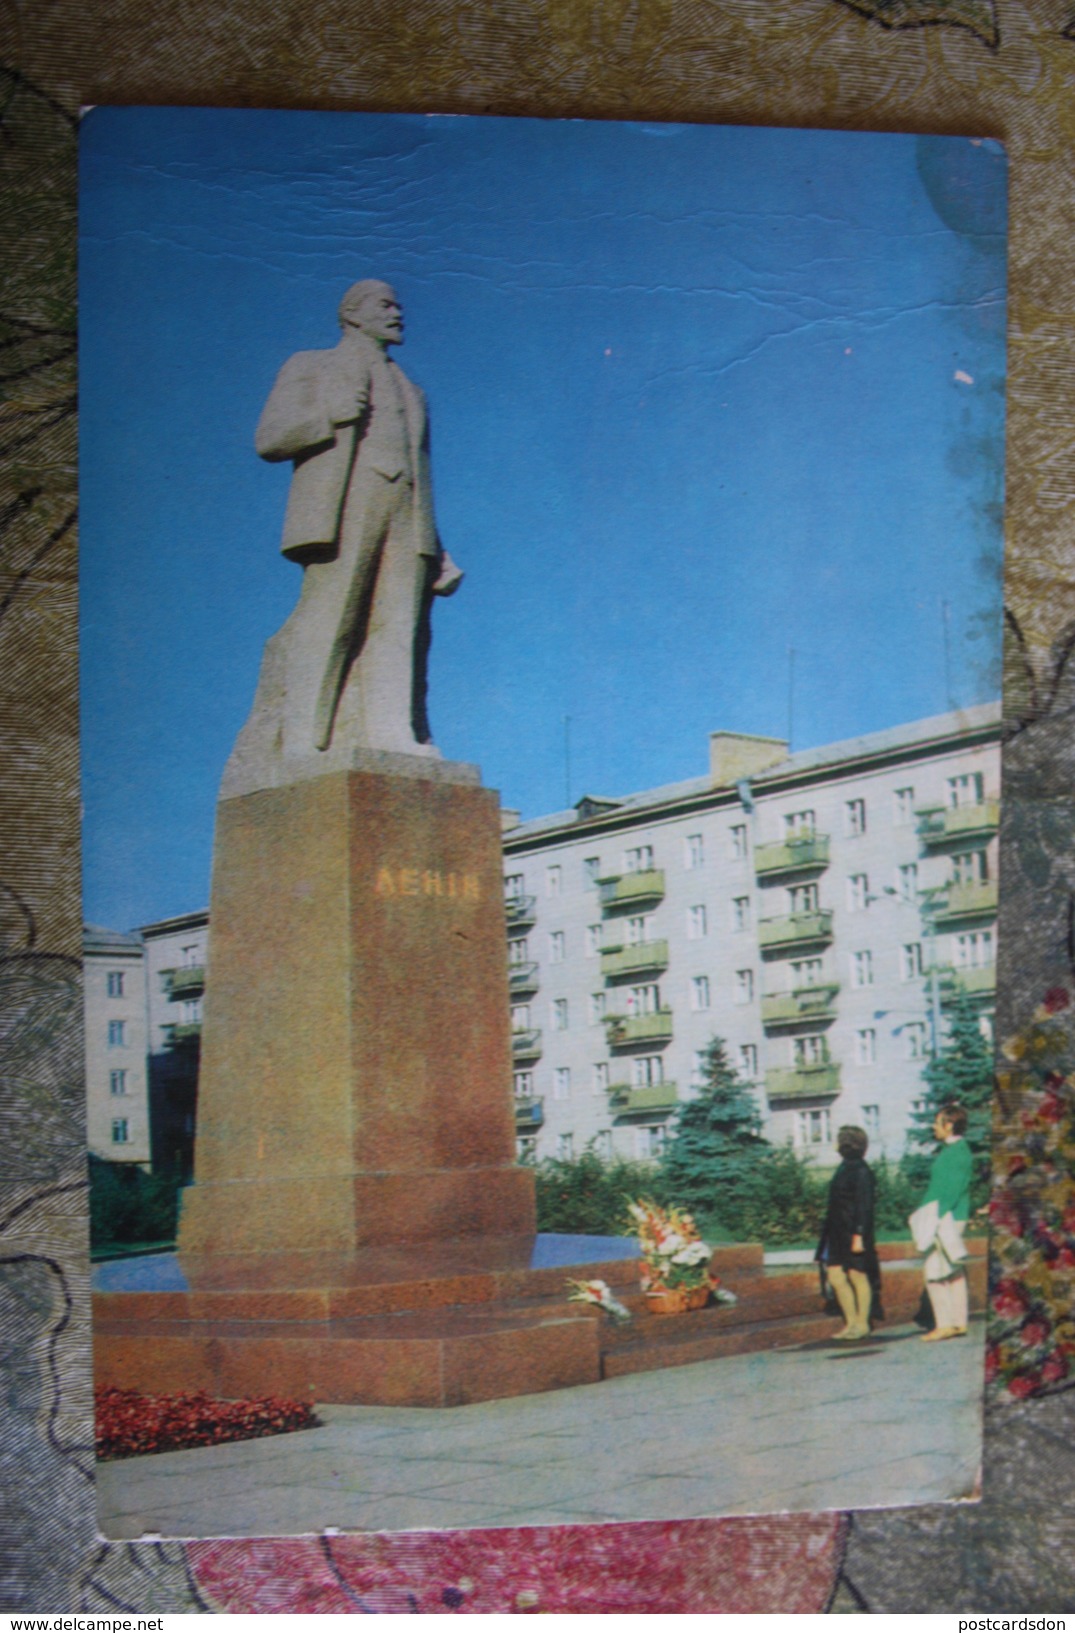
(802, 898)
(120, 1131)
(597, 1007)
(561, 1083)
(807, 972)
(650, 1141)
(903, 807)
(514, 885)
(117, 1082)
(639, 927)
(862, 969)
(740, 912)
(970, 868)
(518, 951)
(910, 961)
(738, 841)
(565, 1147)
(855, 817)
(694, 851)
(603, 1144)
(191, 1011)
(117, 1034)
(553, 879)
(644, 1000)
(595, 934)
(526, 1148)
(556, 947)
(974, 950)
(591, 870)
(698, 1068)
(696, 924)
(871, 1121)
(748, 1060)
(914, 1040)
(965, 790)
(647, 1070)
(799, 825)
(115, 983)
(524, 1085)
(813, 1127)
(559, 1014)
(809, 1050)
(907, 882)
(700, 992)
(865, 1046)
(600, 1076)
(520, 1017)
(743, 989)
(639, 859)
(858, 892)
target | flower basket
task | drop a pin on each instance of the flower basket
(697, 1297)
(666, 1301)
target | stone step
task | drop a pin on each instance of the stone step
(653, 1352)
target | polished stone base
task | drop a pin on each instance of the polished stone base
(474, 1331)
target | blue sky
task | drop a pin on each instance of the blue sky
(698, 395)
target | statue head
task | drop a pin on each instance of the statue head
(373, 307)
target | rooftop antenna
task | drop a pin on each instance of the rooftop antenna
(791, 696)
(946, 625)
(567, 761)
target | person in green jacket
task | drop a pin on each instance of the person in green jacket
(949, 1187)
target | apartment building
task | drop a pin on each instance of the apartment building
(815, 910)
(143, 1008)
(114, 1011)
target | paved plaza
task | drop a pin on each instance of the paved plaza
(890, 1422)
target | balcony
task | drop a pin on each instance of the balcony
(796, 930)
(644, 958)
(521, 913)
(631, 1031)
(529, 1114)
(186, 982)
(183, 1032)
(642, 1100)
(978, 983)
(821, 1082)
(526, 1045)
(813, 1006)
(522, 980)
(940, 825)
(977, 899)
(797, 854)
(631, 889)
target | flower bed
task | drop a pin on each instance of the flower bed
(130, 1424)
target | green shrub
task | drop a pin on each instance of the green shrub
(587, 1196)
(128, 1205)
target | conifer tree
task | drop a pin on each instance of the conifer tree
(712, 1160)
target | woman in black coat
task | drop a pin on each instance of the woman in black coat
(846, 1248)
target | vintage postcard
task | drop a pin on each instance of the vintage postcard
(540, 637)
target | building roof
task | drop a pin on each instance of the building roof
(894, 741)
(96, 938)
(183, 921)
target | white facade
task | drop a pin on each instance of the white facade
(813, 910)
(114, 1005)
(175, 978)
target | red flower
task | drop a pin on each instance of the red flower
(1051, 1109)
(1066, 1256)
(1034, 1331)
(1053, 1368)
(1016, 1165)
(1024, 1384)
(1055, 1000)
(992, 1362)
(1009, 1299)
